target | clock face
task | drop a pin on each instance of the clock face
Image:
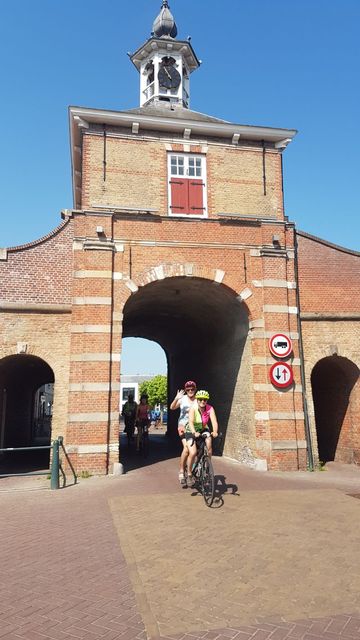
(169, 77)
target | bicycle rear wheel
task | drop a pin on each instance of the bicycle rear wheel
(207, 481)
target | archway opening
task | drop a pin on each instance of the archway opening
(333, 381)
(203, 328)
(26, 393)
(143, 368)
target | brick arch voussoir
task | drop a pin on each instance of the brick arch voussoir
(326, 351)
(188, 269)
(249, 302)
(27, 349)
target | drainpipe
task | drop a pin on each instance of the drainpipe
(302, 363)
(108, 432)
(264, 166)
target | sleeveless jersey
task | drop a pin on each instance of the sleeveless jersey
(201, 419)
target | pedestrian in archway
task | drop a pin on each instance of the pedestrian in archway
(142, 419)
(184, 400)
(129, 413)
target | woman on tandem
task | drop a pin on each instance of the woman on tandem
(184, 400)
(199, 417)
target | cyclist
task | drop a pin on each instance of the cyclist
(199, 417)
(157, 416)
(184, 400)
(129, 413)
(142, 418)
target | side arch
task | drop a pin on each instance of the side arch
(336, 398)
(22, 377)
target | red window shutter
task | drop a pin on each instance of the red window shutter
(196, 197)
(179, 196)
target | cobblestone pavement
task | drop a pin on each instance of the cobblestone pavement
(136, 556)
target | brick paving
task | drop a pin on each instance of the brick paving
(136, 557)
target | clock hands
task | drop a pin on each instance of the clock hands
(169, 77)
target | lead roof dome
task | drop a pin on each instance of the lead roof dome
(164, 25)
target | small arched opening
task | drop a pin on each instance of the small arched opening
(26, 397)
(335, 386)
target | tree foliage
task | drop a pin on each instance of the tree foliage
(156, 389)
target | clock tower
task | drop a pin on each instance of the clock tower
(165, 64)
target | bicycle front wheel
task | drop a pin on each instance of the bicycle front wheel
(208, 481)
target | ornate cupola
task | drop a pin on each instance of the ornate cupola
(165, 64)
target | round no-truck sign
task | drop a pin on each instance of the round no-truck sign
(281, 375)
(280, 345)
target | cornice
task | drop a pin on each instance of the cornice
(83, 117)
(168, 45)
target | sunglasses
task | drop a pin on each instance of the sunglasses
(190, 389)
(202, 399)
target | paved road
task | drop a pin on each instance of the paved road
(138, 557)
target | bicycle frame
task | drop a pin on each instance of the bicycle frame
(204, 473)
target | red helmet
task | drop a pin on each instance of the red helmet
(189, 384)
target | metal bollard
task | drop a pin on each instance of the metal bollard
(54, 484)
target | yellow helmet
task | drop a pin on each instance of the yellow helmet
(202, 395)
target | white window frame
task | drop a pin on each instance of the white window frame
(203, 177)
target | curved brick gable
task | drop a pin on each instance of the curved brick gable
(40, 272)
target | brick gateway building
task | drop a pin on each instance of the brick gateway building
(178, 234)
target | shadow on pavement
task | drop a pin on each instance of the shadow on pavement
(161, 447)
(222, 487)
(24, 462)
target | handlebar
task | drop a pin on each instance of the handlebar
(203, 435)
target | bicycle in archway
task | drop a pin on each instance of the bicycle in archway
(143, 438)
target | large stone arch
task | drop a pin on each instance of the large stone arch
(203, 327)
(336, 399)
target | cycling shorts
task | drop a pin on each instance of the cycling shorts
(206, 434)
(189, 437)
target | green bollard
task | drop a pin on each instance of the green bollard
(54, 484)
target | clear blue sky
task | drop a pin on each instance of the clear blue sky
(284, 63)
(142, 357)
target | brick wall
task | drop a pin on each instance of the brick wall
(155, 249)
(329, 279)
(136, 175)
(46, 336)
(35, 318)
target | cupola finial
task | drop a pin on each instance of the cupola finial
(164, 25)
